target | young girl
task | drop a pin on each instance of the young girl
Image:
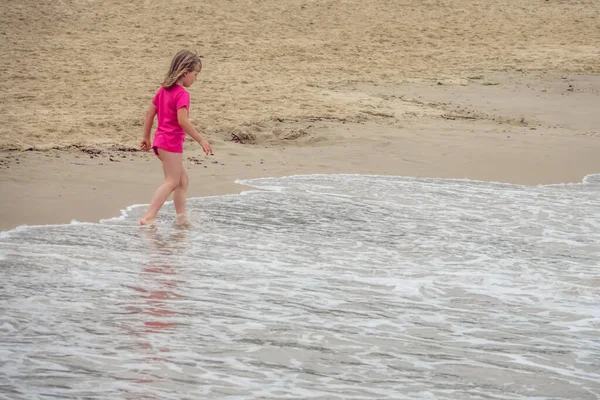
(172, 103)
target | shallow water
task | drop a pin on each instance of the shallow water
(323, 286)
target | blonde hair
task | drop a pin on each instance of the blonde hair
(184, 61)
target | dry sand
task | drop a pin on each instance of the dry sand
(449, 88)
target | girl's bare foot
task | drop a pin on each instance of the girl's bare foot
(146, 221)
(181, 220)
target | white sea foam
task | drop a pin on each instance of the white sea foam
(320, 286)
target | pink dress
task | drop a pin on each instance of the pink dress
(169, 135)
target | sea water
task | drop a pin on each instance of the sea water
(314, 287)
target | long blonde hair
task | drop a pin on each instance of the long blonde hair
(184, 61)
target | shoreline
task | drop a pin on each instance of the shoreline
(518, 131)
(78, 200)
(123, 211)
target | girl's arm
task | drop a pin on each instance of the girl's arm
(148, 122)
(186, 125)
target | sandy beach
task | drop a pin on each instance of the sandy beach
(453, 89)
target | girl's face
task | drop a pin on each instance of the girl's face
(190, 77)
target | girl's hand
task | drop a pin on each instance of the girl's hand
(206, 146)
(145, 145)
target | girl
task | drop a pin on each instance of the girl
(172, 103)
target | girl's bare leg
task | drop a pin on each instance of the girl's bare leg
(180, 195)
(172, 166)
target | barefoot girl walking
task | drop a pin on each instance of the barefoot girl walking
(171, 103)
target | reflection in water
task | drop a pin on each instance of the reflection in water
(157, 291)
(160, 279)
